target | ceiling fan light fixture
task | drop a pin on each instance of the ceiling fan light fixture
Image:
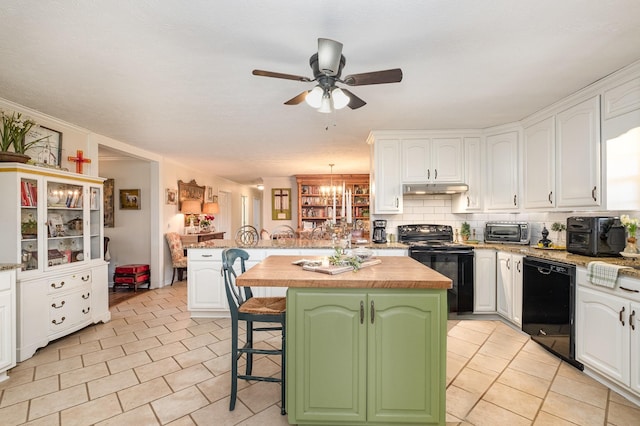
(314, 97)
(340, 99)
(325, 106)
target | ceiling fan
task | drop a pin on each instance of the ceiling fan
(327, 67)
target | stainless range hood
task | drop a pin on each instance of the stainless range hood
(434, 188)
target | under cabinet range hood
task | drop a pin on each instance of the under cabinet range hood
(434, 188)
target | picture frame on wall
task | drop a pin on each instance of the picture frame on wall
(281, 204)
(171, 196)
(129, 199)
(190, 191)
(109, 203)
(47, 151)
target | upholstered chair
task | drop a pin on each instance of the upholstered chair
(178, 259)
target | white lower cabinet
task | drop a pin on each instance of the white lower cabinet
(484, 283)
(55, 306)
(7, 321)
(608, 330)
(509, 286)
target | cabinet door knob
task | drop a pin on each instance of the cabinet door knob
(620, 316)
(373, 312)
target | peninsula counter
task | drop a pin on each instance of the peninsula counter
(365, 347)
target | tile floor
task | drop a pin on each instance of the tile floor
(152, 364)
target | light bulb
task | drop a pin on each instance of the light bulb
(314, 97)
(325, 106)
(340, 100)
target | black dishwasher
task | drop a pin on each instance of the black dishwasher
(548, 306)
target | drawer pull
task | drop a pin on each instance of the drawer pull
(53, 305)
(629, 289)
(86, 311)
(87, 278)
(86, 296)
(207, 255)
(58, 323)
(53, 285)
(633, 314)
(620, 316)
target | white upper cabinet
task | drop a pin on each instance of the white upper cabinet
(539, 164)
(471, 200)
(578, 155)
(386, 178)
(502, 171)
(561, 159)
(432, 160)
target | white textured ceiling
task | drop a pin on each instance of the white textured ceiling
(174, 77)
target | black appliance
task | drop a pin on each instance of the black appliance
(548, 306)
(379, 231)
(595, 235)
(433, 246)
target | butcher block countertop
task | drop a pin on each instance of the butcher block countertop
(394, 272)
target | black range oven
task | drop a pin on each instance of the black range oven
(433, 246)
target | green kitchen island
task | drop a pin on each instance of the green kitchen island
(365, 347)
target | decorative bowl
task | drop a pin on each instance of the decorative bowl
(362, 253)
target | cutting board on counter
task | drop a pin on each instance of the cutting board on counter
(334, 269)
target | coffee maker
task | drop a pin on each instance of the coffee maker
(379, 231)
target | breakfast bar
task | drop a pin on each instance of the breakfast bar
(365, 346)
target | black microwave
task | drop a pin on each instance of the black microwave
(595, 235)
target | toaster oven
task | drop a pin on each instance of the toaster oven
(507, 232)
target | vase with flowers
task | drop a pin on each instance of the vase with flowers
(632, 227)
(206, 223)
(13, 130)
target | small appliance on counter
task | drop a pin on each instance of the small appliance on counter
(595, 236)
(379, 231)
(507, 232)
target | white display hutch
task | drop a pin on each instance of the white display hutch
(53, 227)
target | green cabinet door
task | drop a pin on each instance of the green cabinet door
(406, 368)
(374, 357)
(326, 357)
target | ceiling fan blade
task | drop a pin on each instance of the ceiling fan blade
(297, 99)
(354, 101)
(329, 54)
(280, 75)
(376, 77)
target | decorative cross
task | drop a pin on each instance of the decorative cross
(79, 160)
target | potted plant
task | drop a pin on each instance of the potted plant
(29, 228)
(13, 130)
(465, 231)
(559, 228)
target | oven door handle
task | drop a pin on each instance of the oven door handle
(544, 271)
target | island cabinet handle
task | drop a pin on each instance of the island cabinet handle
(361, 312)
(428, 174)
(509, 264)
(633, 314)
(632, 290)
(373, 312)
(620, 316)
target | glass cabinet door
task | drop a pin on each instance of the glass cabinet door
(65, 224)
(95, 216)
(29, 223)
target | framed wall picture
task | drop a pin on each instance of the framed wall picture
(48, 150)
(109, 203)
(171, 196)
(190, 191)
(281, 204)
(129, 199)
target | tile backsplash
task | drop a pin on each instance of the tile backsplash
(436, 209)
